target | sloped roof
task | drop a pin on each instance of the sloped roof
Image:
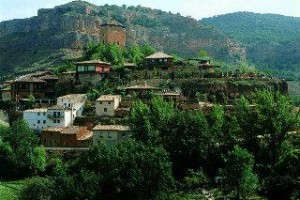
(89, 62)
(108, 97)
(111, 128)
(36, 110)
(28, 78)
(159, 55)
(75, 97)
(112, 22)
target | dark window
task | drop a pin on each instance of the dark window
(123, 134)
(58, 121)
(44, 121)
(105, 109)
(109, 102)
(38, 121)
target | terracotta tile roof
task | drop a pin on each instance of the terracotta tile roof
(75, 97)
(49, 77)
(112, 23)
(111, 128)
(108, 97)
(36, 110)
(58, 107)
(86, 136)
(71, 130)
(159, 55)
(28, 78)
(89, 62)
(37, 77)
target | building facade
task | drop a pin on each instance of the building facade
(91, 72)
(73, 136)
(106, 105)
(113, 32)
(73, 101)
(159, 60)
(40, 84)
(110, 135)
(41, 118)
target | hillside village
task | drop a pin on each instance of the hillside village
(62, 121)
(125, 120)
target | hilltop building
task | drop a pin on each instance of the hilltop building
(113, 32)
(159, 60)
(92, 71)
(40, 84)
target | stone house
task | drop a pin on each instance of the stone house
(73, 136)
(55, 116)
(73, 101)
(113, 32)
(40, 84)
(92, 71)
(111, 134)
(159, 60)
(106, 105)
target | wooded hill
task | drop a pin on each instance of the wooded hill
(62, 32)
(270, 40)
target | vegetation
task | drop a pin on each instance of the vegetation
(271, 40)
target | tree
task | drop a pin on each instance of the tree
(238, 172)
(131, 170)
(142, 125)
(25, 157)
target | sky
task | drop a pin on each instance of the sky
(198, 9)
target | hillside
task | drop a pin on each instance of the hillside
(62, 32)
(270, 40)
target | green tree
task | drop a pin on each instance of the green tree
(142, 125)
(27, 157)
(132, 170)
(239, 175)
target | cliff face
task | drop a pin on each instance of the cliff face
(62, 32)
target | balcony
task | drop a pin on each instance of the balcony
(52, 116)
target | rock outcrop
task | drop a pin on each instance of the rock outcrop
(62, 32)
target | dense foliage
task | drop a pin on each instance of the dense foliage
(20, 154)
(271, 40)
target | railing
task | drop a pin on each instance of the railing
(51, 116)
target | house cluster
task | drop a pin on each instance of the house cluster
(54, 118)
(55, 123)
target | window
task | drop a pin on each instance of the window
(123, 134)
(44, 114)
(44, 121)
(105, 109)
(38, 121)
(100, 102)
(109, 102)
(58, 121)
(101, 135)
(38, 114)
(108, 135)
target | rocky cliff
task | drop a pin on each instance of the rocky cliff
(62, 32)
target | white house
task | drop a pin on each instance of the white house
(110, 134)
(55, 116)
(107, 104)
(36, 118)
(73, 101)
